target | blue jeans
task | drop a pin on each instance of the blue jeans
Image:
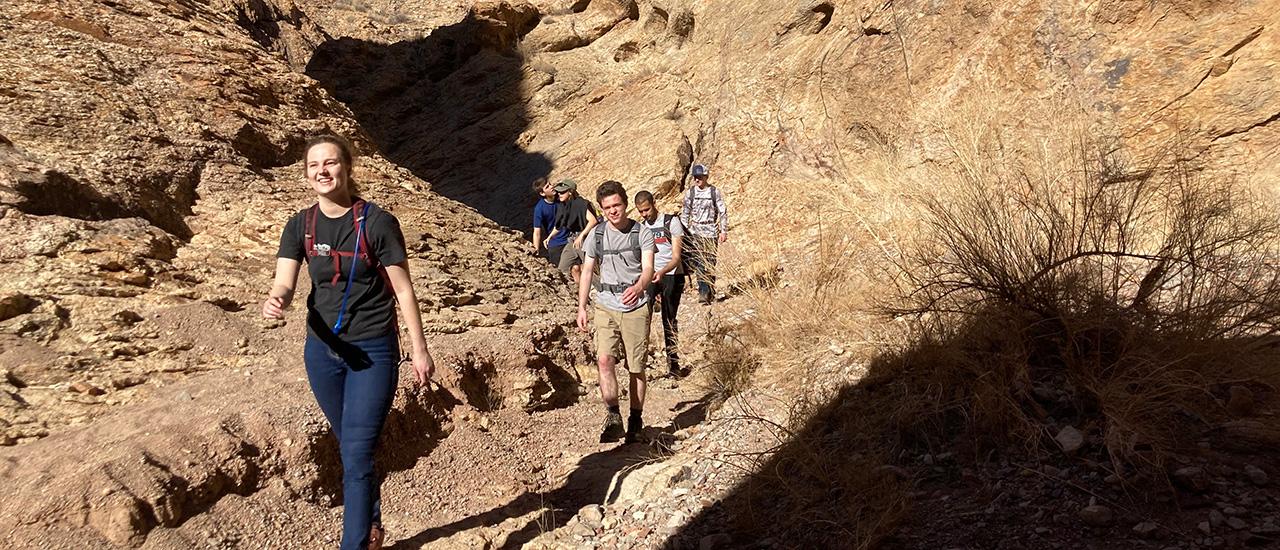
(355, 383)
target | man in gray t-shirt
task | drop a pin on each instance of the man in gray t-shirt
(623, 248)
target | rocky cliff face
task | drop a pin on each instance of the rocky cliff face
(149, 156)
(149, 149)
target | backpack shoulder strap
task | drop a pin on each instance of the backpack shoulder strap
(715, 203)
(309, 230)
(359, 215)
(599, 237)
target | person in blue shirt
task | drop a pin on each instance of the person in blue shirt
(544, 221)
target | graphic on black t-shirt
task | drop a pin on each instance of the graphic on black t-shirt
(370, 308)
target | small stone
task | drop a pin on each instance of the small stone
(86, 388)
(592, 515)
(1204, 528)
(715, 542)
(1146, 529)
(579, 530)
(675, 521)
(1216, 519)
(6, 440)
(1096, 515)
(1070, 439)
(1191, 478)
(1240, 401)
(638, 515)
(484, 423)
(1236, 523)
(1257, 475)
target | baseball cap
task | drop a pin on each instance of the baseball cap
(566, 185)
(698, 170)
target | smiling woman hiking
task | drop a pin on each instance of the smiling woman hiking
(359, 270)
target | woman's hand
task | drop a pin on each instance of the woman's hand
(423, 366)
(273, 308)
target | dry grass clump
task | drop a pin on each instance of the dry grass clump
(1121, 298)
(1044, 285)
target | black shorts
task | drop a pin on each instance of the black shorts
(553, 254)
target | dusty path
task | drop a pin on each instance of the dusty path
(242, 458)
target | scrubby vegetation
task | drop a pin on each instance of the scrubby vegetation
(1040, 285)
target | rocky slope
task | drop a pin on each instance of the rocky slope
(149, 154)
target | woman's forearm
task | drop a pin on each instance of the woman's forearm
(412, 318)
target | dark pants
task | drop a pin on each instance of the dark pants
(553, 254)
(355, 383)
(668, 289)
(702, 264)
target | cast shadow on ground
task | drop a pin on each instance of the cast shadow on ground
(412, 430)
(595, 480)
(448, 107)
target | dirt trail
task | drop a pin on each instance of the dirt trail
(242, 458)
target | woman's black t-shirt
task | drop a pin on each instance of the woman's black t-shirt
(571, 217)
(371, 308)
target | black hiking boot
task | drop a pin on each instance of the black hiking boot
(612, 428)
(677, 372)
(634, 427)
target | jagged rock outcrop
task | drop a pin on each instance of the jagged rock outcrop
(149, 153)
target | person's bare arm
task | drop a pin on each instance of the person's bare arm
(635, 291)
(282, 288)
(677, 248)
(584, 290)
(592, 222)
(402, 284)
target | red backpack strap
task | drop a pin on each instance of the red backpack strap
(359, 210)
(309, 230)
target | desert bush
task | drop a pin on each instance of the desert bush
(1084, 288)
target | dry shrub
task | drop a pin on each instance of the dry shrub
(1075, 284)
(1044, 283)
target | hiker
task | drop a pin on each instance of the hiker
(623, 248)
(358, 267)
(706, 219)
(668, 276)
(575, 218)
(544, 222)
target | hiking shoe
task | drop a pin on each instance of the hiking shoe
(376, 536)
(612, 428)
(633, 430)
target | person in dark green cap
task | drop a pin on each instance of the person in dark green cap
(575, 218)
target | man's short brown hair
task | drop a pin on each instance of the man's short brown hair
(610, 188)
(538, 184)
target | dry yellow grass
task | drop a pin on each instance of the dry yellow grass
(931, 304)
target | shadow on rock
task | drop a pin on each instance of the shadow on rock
(449, 107)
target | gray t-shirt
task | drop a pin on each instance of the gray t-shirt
(664, 241)
(620, 264)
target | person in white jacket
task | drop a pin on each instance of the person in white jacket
(706, 220)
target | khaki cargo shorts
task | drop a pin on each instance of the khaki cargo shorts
(618, 333)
